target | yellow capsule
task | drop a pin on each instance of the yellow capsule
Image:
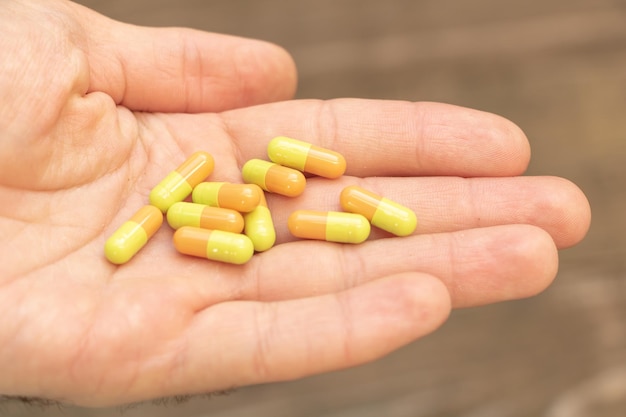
(206, 217)
(380, 211)
(332, 226)
(179, 183)
(306, 157)
(259, 227)
(274, 178)
(215, 245)
(240, 197)
(126, 241)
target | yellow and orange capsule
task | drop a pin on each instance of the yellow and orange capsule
(331, 226)
(274, 178)
(178, 184)
(240, 197)
(206, 217)
(380, 211)
(126, 241)
(259, 227)
(306, 157)
(215, 245)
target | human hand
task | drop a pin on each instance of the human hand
(94, 113)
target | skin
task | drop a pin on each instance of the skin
(94, 113)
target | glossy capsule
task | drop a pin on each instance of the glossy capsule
(306, 157)
(126, 241)
(331, 226)
(215, 245)
(206, 217)
(259, 227)
(178, 184)
(274, 178)
(240, 197)
(380, 211)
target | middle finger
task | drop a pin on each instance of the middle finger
(449, 204)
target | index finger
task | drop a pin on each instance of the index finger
(390, 138)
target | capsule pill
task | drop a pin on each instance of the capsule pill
(206, 217)
(215, 245)
(306, 157)
(259, 227)
(126, 241)
(331, 226)
(380, 211)
(178, 184)
(240, 197)
(274, 178)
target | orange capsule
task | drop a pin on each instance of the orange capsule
(380, 211)
(215, 245)
(179, 183)
(331, 226)
(306, 157)
(240, 197)
(206, 217)
(259, 227)
(274, 178)
(131, 236)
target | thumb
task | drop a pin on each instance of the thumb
(182, 70)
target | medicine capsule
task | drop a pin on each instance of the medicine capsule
(274, 178)
(206, 217)
(306, 157)
(240, 197)
(178, 184)
(215, 245)
(126, 241)
(380, 211)
(332, 226)
(259, 227)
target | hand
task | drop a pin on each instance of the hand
(94, 113)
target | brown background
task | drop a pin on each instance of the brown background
(555, 67)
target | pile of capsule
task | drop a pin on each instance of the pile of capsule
(229, 222)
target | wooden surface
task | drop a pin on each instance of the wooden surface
(555, 67)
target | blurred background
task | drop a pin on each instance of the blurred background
(555, 67)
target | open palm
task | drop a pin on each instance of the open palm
(94, 113)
